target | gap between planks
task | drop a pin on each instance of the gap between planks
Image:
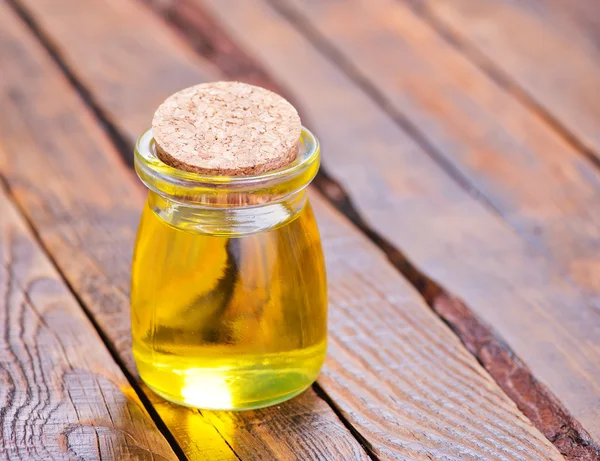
(4, 186)
(116, 137)
(322, 45)
(431, 291)
(325, 187)
(502, 78)
(364, 443)
(119, 141)
(42, 249)
(340, 199)
(120, 144)
(532, 397)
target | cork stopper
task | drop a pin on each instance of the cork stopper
(226, 128)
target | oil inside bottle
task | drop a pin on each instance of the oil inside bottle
(223, 322)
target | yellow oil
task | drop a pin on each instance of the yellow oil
(228, 323)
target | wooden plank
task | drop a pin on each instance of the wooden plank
(507, 280)
(62, 394)
(441, 404)
(531, 397)
(303, 428)
(85, 204)
(543, 187)
(131, 38)
(547, 50)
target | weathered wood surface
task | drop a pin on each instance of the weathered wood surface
(508, 280)
(303, 428)
(543, 187)
(85, 205)
(61, 394)
(533, 398)
(418, 395)
(546, 50)
(131, 38)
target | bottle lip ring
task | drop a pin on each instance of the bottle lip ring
(147, 163)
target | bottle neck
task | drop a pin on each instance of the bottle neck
(228, 221)
(227, 205)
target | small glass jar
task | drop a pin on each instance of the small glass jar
(228, 294)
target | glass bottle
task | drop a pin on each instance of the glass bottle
(228, 295)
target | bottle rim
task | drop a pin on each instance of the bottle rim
(161, 178)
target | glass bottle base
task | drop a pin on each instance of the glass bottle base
(219, 381)
(206, 405)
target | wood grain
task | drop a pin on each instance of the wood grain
(539, 404)
(396, 371)
(85, 205)
(539, 184)
(61, 394)
(303, 428)
(532, 398)
(131, 37)
(506, 279)
(535, 400)
(398, 374)
(546, 50)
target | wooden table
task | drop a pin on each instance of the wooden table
(459, 205)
